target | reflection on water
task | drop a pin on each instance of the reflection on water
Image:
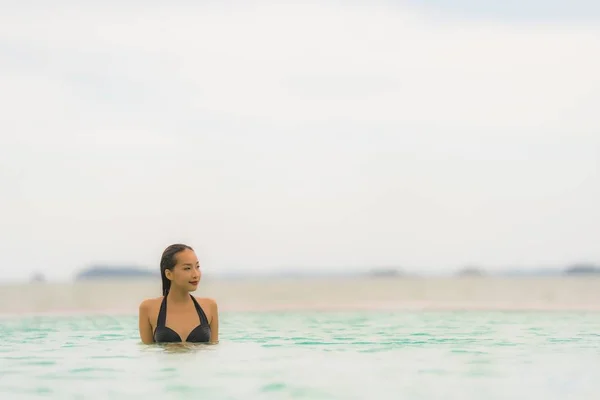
(183, 347)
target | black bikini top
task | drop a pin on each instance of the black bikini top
(164, 334)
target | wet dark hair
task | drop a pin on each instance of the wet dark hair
(168, 261)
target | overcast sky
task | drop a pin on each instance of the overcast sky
(426, 135)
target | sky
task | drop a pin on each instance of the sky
(269, 136)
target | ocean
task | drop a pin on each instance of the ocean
(471, 338)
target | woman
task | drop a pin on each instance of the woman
(189, 319)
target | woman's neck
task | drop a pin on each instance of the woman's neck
(177, 296)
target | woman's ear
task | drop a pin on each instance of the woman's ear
(169, 274)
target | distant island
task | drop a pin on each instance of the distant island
(582, 269)
(471, 271)
(105, 272)
(100, 272)
(38, 277)
(576, 269)
(384, 273)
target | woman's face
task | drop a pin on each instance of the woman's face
(186, 273)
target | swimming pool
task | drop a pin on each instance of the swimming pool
(310, 355)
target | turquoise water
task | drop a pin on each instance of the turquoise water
(293, 355)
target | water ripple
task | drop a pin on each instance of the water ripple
(303, 355)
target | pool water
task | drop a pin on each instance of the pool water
(309, 355)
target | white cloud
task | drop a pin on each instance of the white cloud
(294, 64)
(298, 134)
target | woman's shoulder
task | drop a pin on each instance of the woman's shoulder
(207, 301)
(150, 303)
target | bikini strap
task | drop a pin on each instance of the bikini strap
(203, 318)
(162, 314)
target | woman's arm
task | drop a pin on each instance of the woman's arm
(214, 322)
(144, 323)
